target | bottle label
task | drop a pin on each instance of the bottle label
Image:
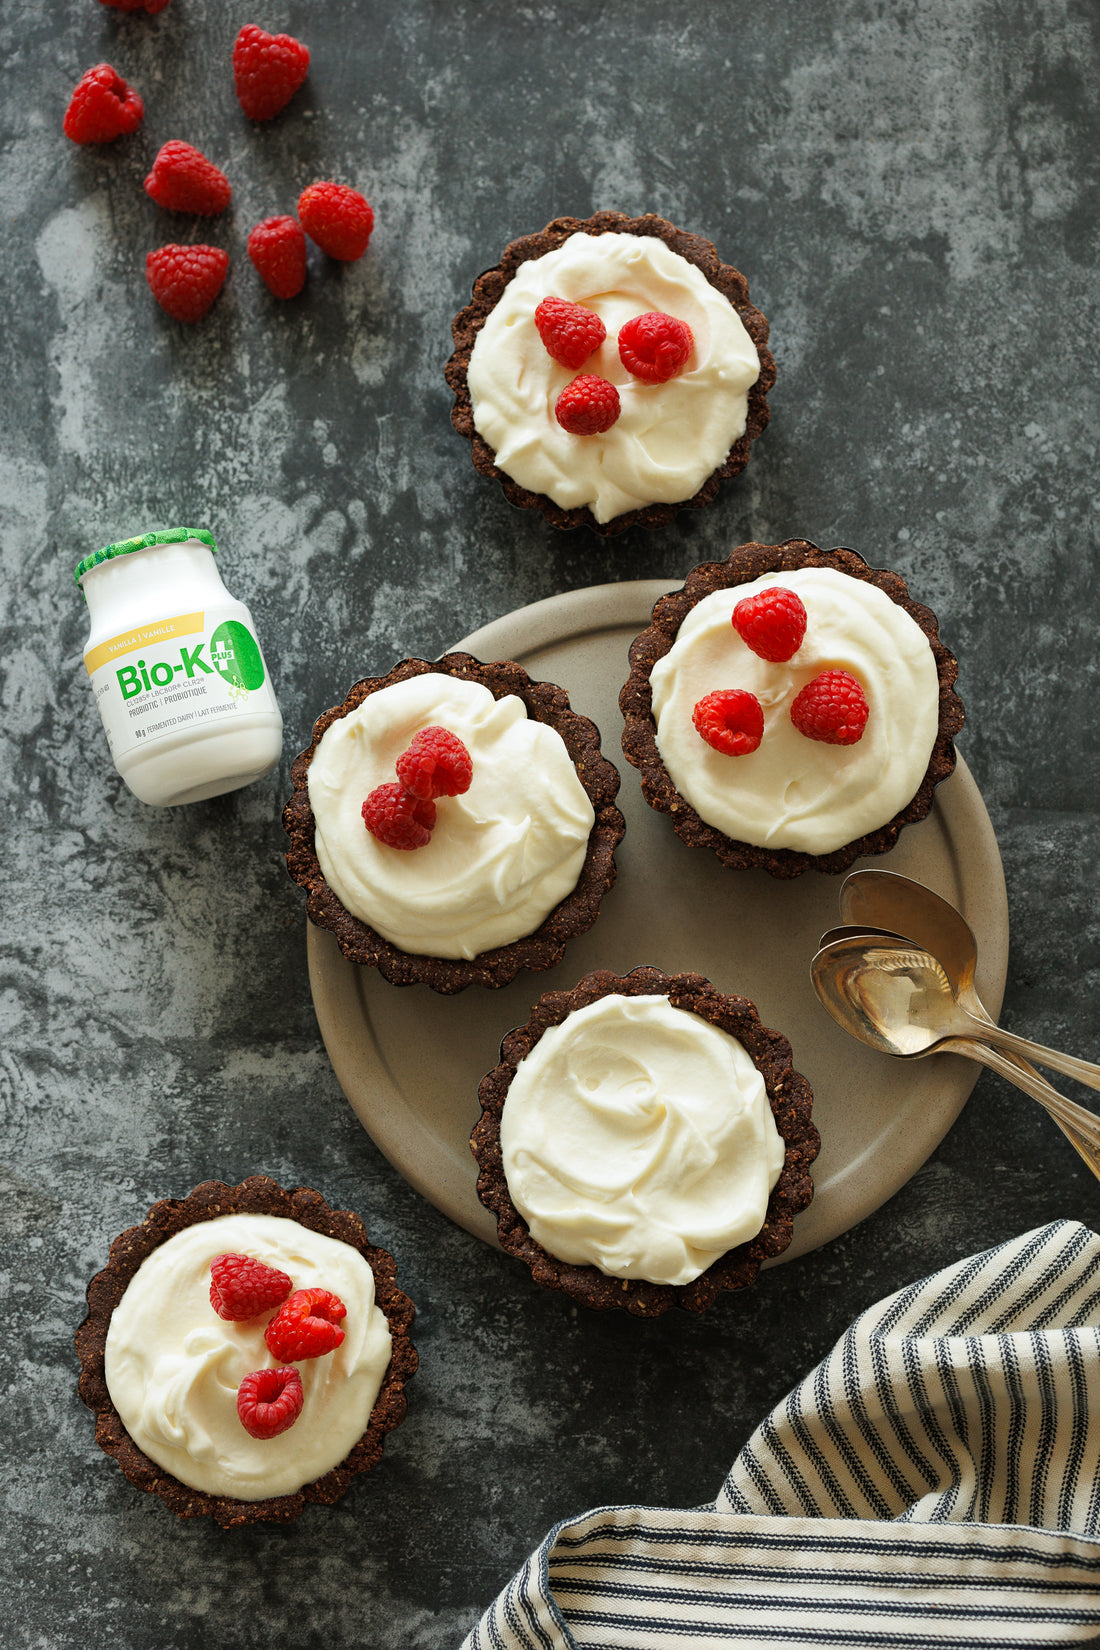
(181, 674)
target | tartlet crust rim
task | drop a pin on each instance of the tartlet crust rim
(541, 949)
(790, 1098)
(258, 1194)
(487, 290)
(639, 739)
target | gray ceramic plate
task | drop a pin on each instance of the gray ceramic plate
(410, 1061)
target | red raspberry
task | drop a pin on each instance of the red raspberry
(267, 70)
(269, 1401)
(184, 180)
(437, 763)
(832, 708)
(185, 280)
(730, 720)
(241, 1287)
(278, 249)
(569, 331)
(151, 6)
(655, 346)
(306, 1326)
(398, 819)
(337, 218)
(587, 406)
(772, 623)
(102, 107)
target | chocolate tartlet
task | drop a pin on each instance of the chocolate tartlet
(540, 949)
(487, 292)
(640, 740)
(789, 1097)
(257, 1195)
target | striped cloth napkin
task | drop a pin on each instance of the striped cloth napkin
(934, 1482)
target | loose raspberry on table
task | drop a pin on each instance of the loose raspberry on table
(655, 347)
(569, 331)
(151, 6)
(306, 1326)
(185, 280)
(587, 406)
(397, 818)
(277, 247)
(731, 721)
(102, 107)
(832, 708)
(269, 1401)
(183, 180)
(771, 623)
(241, 1287)
(267, 70)
(437, 763)
(338, 218)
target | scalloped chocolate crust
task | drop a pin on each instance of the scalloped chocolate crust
(575, 914)
(257, 1195)
(751, 561)
(789, 1095)
(486, 294)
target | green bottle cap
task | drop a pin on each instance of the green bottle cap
(171, 535)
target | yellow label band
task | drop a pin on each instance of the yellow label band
(146, 635)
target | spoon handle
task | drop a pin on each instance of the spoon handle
(1024, 1049)
(1080, 1126)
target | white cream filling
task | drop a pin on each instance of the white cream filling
(173, 1366)
(669, 437)
(638, 1138)
(794, 792)
(501, 856)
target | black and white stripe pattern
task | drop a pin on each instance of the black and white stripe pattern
(931, 1484)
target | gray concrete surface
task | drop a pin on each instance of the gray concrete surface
(911, 190)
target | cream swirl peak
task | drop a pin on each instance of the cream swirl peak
(794, 792)
(659, 1150)
(173, 1366)
(501, 856)
(669, 437)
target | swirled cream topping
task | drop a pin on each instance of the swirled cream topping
(638, 1138)
(501, 856)
(794, 792)
(173, 1366)
(668, 437)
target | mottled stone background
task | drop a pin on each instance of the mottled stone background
(911, 189)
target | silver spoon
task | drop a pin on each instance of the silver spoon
(896, 997)
(939, 921)
(876, 897)
(898, 904)
(884, 899)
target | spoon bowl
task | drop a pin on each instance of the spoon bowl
(883, 900)
(889, 993)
